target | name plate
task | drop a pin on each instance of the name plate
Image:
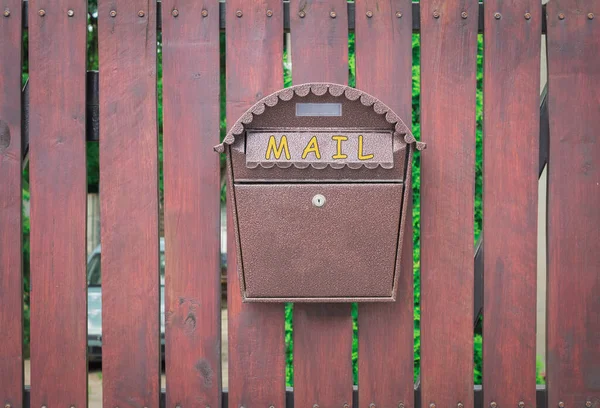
(319, 149)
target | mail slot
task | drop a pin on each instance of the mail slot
(319, 176)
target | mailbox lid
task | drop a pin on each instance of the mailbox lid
(294, 250)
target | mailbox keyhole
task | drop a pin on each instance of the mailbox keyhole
(318, 200)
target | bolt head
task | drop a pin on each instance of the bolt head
(436, 14)
(497, 16)
(588, 404)
(371, 405)
(316, 406)
(561, 404)
(398, 14)
(400, 405)
(493, 404)
(7, 405)
(432, 405)
(464, 14)
(369, 14)
(590, 17)
(113, 13)
(175, 12)
(302, 14)
(239, 13)
(204, 13)
(141, 13)
(42, 13)
(521, 404)
(460, 405)
(561, 16)
(7, 14)
(527, 16)
(270, 14)
(333, 14)
(70, 13)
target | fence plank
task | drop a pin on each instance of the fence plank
(256, 331)
(448, 86)
(322, 332)
(57, 63)
(11, 278)
(511, 151)
(129, 203)
(385, 337)
(192, 211)
(573, 328)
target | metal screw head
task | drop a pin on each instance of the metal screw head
(70, 13)
(302, 14)
(42, 13)
(371, 405)
(521, 404)
(113, 13)
(588, 404)
(271, 406)
(561, 16)
(497, 16)
(436, 14)
(43, 406)
(333, 14)
(401, 405)
(398, 14)
(369, 14)
(239, 13)
(432, 405)
(318, 200)
(346, 405)
(7, 405)
(590, 17)
(270, 14)
(527, 16)
(460, 405)
(316, 406)
(493, 404)
(141, 13)
(6, 14)
(204, 13)
(175, 12)
(561, 404)
(464, 14)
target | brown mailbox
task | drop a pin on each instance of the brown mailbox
(319, 175)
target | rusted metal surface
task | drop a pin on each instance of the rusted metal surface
(448, 51)
(573, 328)
(192, 203)
(510, 206)
(129, 204)
(57, 61)
(11, 279)
(322, 333)
(385, 336)
(256, 331)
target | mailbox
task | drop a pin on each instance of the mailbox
(319, 176)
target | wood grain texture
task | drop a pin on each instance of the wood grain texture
(510, 192)
(385, 336)
(322, 332)
(129, 203)
(448, 86)
(192, 203)
(11, 277)
(573, 325)
(58, 182)
(256, 331)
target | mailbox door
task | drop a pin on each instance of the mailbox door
(319, 240)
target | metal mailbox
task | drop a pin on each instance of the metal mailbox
(319, 175)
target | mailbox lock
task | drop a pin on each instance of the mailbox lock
(318, 200)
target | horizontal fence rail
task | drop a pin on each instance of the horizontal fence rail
(416, 16)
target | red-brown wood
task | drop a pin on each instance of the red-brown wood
(256, 331)
(11, 279)
(129, 203)
(573, 325)
(322, 332)
(57, 63)
(192, 195)
(448, 85)
(385, 336)
(511, 152)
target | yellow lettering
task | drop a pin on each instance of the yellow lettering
(273, 148)
(339, 139)
(362, 156)
(312, 147)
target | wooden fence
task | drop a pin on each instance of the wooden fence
(52, 128)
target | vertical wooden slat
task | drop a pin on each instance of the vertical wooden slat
(322, 332)
(511, 146)
(129, 203)
(192, 194)
(448, 86)
(573, 326)
(57, 63)
(256, 331)
(11, 279)
(385, 336)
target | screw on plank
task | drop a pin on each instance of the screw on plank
(460, 405)
(464, 14)
(436, 14)
(369, 14)
(333, 14)
(175, 13)
(561, 404)
(239, 13)
(70, 13)
(42, 13)
(588, 404)
(269, 14)
(497, 16)
(205, 13)
(141, 13)
(527, 16)
(302, 14)
(398, 14)
(493, 404)
(6, 14)
(113, 13)
(590, 17)
(521, 404)
(561, 16)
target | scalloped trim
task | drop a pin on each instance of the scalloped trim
(318, 165)
(319, 89)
